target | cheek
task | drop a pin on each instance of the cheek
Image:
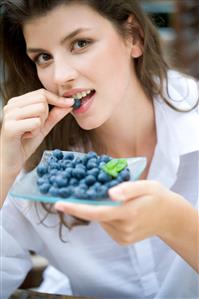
(46, 80)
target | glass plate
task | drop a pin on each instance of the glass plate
(26, 187)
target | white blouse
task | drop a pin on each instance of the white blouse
(94, 264)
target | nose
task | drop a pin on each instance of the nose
(64, 72)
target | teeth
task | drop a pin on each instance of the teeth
(82, 94)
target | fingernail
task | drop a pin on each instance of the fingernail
(116, 193)
(69, 101)
(59, 207)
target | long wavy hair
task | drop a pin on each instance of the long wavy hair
(20, 75)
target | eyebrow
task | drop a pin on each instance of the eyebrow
(68, 37)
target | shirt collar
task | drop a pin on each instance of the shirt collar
(177, 132)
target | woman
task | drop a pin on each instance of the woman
(108, 54)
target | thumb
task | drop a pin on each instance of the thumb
(55, 115)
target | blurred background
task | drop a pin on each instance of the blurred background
(178, 24)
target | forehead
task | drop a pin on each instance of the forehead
(65, 17)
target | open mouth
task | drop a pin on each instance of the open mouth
(79, 102)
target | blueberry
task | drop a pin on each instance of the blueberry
(51, 159)
(101, 164)
(125, 175)
(91, 165)
(42, 180)
(78, 160)
(44, 188)
(84, 159)
(52, 179)
(93, 160)
(83, 186)
(80, 193)
(93, 171)
(54, 191)
(91, 194)
(54, 165)
(104, 177)
(78, 173)
(60, 181)
(67, 173)
(73, 182)
(57, 154)
(69, 156)
(77, 103)
(112, 183)
(53, 172)
(103, 192)
(65, 192)
(90, 180)
(91, 154)
(97, 186)
(105, 158)
(41, 170)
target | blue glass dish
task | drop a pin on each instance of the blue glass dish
(26, 187)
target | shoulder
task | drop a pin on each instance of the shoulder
(182, 128)
(181, 91)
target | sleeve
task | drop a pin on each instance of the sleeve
(17, 238)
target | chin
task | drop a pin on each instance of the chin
(90, 125)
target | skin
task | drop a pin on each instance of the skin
(106, 65)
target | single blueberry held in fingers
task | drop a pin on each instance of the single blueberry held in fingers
(77, 104)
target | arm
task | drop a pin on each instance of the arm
(7, 178)
(182, 234)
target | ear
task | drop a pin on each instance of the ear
(136, 51)
(137, 37)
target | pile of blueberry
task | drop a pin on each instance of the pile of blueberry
(65, 175)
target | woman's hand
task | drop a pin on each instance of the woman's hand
(26, 122)
(147, 209)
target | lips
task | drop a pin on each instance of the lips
(86, 102)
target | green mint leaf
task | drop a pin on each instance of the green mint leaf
(114, 166)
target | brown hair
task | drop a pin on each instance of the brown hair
(20, 74)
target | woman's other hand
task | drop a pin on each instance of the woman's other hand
(147, 209)
(141, 214)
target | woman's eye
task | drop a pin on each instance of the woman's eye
(42, 58)
(80, 44)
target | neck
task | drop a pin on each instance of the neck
(131, 132)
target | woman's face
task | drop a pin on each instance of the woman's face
(77, 50)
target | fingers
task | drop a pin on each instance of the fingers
(39, 96)
(130, 190)
(17, 129)
(55, 115)
(34, 105)
(87, 212)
